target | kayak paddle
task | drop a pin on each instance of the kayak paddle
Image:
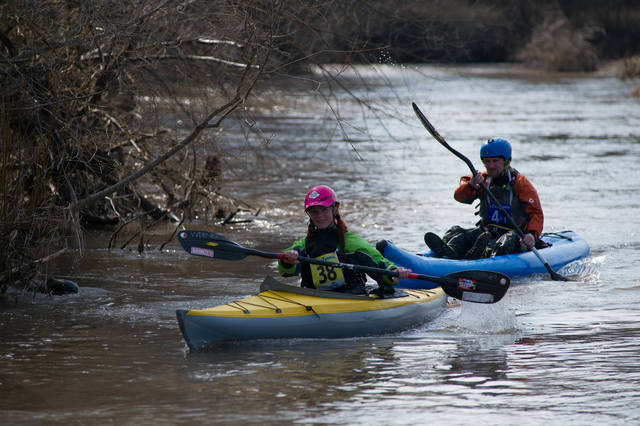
(554, 275)
(470, 286)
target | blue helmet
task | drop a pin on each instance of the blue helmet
(496, 147)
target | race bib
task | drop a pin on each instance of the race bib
(496, 216)
(327, 277)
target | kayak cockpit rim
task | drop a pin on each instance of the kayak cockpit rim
(269, 283)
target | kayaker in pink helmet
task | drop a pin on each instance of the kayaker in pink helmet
(328, 239)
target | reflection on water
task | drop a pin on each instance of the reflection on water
(560, 353)
(317, 372)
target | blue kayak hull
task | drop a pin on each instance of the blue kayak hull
(566, 247)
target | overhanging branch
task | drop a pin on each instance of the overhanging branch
(225, 110)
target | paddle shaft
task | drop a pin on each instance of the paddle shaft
(516, 228)
(412, 275)
(350, 266)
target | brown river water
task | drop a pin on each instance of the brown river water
(549, 352)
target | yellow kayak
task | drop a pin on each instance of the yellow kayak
(284, 311)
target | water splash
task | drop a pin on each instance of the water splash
(494, 318)
(588, 269)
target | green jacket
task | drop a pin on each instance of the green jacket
(356, 251)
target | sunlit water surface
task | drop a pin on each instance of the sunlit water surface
(550, 352)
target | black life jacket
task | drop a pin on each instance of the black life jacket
(324, 241)
(502, 189)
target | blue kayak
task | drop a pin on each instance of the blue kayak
(566, 247)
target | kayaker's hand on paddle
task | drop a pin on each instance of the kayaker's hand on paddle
(476, 181)
(528, 241)
(402, 273)
(291, 257)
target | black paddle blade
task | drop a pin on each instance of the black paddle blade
(427, 124)
(556, 276)
(208, 244)
(477, 286)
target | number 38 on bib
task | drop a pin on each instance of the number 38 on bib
(327, 277)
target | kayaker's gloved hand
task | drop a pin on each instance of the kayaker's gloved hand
(402, 273)
(476, 181)
(529, 240)
(291, 257)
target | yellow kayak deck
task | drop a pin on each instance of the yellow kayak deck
(277, 300)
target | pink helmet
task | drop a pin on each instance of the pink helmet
(320, 195)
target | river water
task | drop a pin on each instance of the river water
(549, 352)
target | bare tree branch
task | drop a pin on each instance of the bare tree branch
(228, 108)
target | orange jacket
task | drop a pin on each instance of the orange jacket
(522, 188)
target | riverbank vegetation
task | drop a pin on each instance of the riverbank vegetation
(110, 111)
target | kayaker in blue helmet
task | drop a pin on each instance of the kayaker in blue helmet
(493, 235)
(328, 239)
